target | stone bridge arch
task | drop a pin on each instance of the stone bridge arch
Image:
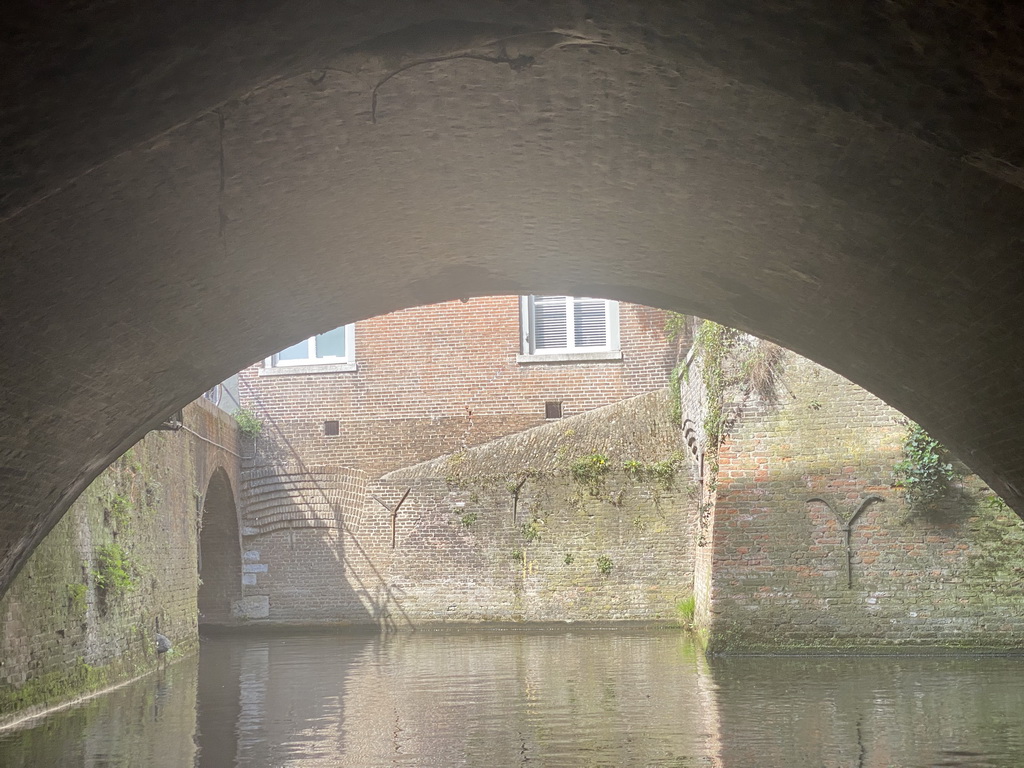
(803, 176)
(220, 551)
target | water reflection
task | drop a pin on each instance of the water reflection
(871, 711)
(469, 698)
(150, 722)
(554, 698)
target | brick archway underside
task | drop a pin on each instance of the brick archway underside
(184, 193)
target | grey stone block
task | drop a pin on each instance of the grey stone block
(254, 607)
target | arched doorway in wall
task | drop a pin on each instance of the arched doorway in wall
(220, 565)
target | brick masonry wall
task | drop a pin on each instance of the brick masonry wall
(61, 635)
(467, 548)
(434, 379)
(791, 475)
(692, 413)
(430, 381)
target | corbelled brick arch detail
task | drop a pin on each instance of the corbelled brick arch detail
(184, 195)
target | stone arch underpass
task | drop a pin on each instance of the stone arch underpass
(187, 189)
(220, 571)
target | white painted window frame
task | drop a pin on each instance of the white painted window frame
(311, 363)
(571, 353)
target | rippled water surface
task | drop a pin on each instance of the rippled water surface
(536, 698)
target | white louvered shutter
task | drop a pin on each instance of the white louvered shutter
(590, 323)
(550, 322)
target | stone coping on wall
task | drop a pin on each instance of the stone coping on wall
(638, 428)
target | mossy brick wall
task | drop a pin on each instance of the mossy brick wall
(61, 634)
(469, 546)
(692, 413)
(791, 475)
(433, 379)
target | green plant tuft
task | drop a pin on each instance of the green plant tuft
(532, 530)
(248, 422)
(925, 474)
(76, 598)
(120, 508)
(590, 471)
(115, 573)
(517, 555)
(663, 472)
(605, 564)
(468, 519)
(569, 558)
(996, 505)
(686, 609)
(634, 469)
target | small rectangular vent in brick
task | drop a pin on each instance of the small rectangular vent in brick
(552, 410)
(330, 428)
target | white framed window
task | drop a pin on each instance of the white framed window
(565, 328)
(326, 352)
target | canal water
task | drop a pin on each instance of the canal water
(535, 698)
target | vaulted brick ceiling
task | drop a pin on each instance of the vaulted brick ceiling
(186, 187)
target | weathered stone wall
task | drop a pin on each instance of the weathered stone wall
(503, 531)
(792, 474)
(62, 633)
(548, 525)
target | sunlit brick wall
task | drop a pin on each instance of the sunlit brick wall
(434, 379)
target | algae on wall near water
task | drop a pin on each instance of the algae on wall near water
(84, 611)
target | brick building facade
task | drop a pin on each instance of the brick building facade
(431, 380)
(343, 409)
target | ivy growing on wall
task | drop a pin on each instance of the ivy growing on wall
(675, 330)
(712, 344)
(925, 475)
(732, 366)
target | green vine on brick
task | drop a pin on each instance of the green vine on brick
(662, 473)
(675, 325)
(754, 367)
(115, 572)
(590, 471)
(531, 531)
(925, 475)
(713, 343)
(120, 509)
(675, 330)
(76, 598)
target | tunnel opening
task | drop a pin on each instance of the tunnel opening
(219, 556)
(615, 164)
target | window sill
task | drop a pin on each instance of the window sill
(608, 356)
(288, 370)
